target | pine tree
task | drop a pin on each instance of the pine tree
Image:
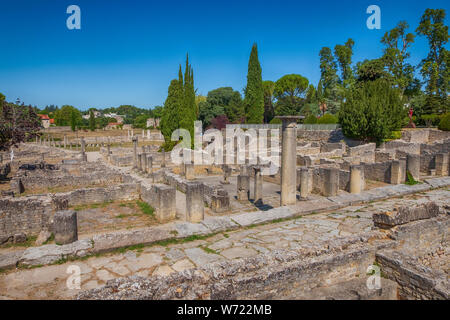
(254, 91)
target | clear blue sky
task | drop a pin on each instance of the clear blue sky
(128, 51)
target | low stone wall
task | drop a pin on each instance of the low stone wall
(379, 171)
(321, 135)
(121, 192)
(28, 215)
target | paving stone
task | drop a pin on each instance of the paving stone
(186, 229)
(104, 275)
(175, 254)
(237, 252)
(201, 257)
(163, 270)
(182, 265)
(217, 224)
(145, 261)
(90, 285)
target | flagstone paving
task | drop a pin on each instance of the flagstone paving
(49, 282)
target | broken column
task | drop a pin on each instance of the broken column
(413, 165)
(331, 183)
(288, 159)
(189, 171)
(442, 164)
(243, 187)
(139, 162)
(226, 174)
(356, 179)
(144, 162)
(166, 203)
(194, 202)
(135, 143)
(304, 183)
(396, 172)
(65, 227)
(83, 150)
(258, 186)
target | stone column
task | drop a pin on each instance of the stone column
(331, 186)
(243, 187)
(135, 143)
(356, 179)
(144, 162)
(65, 141)
(304, 183)
(396, 172)
(189, 171)
(413, 165)
(226, 174)
(288, 159)
(65, 227)
(83, 149)
(139, 162)
(149, 164)
(442, 164)
(194, 202)
(163, 161)
(258, 186)
(166, 203)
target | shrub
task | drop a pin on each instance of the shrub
(430, 119)
(371, 112)
(275, 121)
(311, 119)
(444, 124)
(327, 119)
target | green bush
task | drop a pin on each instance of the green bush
(311, 119)
(431, 119)
(328, 119)
(371, 112)
(275, 121)
(444, 124)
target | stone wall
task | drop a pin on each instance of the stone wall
(320, 135)
(28, 215)
(121, 192)
(379, 171)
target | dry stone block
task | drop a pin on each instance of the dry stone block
(403, 215)
(65, 227)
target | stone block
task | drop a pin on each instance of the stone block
(65, 227)
(194, 202)
(403, 215)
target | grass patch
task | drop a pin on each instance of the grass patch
(28, 243)
(208, 250)
(410, 179)
(146, 208)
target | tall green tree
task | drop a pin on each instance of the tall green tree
(290, 93)
(344, 55)
(254, 91)
(397, 42)
(188, 107)
(92, 123)
(269, 111)
(170, 119)
(435, 67)
(328, 89)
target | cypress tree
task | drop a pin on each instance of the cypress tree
(189, 108)
(170, 119)
(254, 91)
(91, 120)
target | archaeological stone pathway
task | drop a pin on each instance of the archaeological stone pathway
(50, 282)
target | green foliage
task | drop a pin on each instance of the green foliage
(269, 89)
(91, 120)
(372, 111)
(145, 208)
(444, 124)
(171, 114)
(327, 119)
(311, 119)
(68, 116)
(254, 91)
(435, 67)
(397, 41)
(290, 91)
(343, 54)
(431, 119)
(221, 101)
(275, 121)
(188, 107)
(141, 121)
(410, 179)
